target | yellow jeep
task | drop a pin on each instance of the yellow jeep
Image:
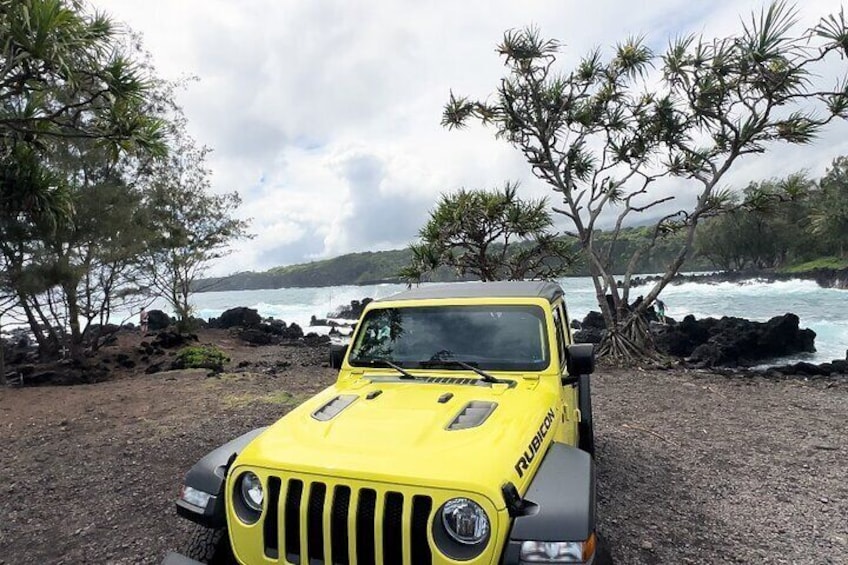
(459, 431)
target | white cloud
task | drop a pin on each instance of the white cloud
(325, 114)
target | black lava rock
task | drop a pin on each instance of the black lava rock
(157, 320)
(352, 311)
(733, 342)
(256, 336)
(240, 316)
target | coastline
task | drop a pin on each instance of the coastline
(825, 278)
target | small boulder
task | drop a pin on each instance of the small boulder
(313, 339)
(273, 327)
(351, 311)
(589, 335)
(313, 321)
(171, 339)
(293, 331)
(157, 320)
(240, 316)
(594, 320)
(255, 336)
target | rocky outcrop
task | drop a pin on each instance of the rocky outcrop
(733, 342)
(269, 332)
(157, 320)
(256, 336)
(171, 339)
(804, 369)
(826, 278)
(351, 311)
(237, 317)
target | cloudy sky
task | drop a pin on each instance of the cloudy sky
(324, 114)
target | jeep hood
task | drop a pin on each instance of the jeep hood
(398, 432)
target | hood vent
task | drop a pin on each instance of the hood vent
(333, 407)
(472, 415)
(451, 381)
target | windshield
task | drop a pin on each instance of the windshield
(506, 338)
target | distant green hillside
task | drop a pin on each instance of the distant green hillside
(383, 266)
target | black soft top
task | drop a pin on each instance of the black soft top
(496, 289)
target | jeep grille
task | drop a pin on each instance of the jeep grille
(312, 522)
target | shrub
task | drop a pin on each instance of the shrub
(201, 357)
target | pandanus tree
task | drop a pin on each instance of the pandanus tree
(491, 235)
(73, 91)
(636, 135)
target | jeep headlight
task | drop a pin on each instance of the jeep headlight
(465, 521)
(461, 529)
(251, 491)
(248, 498)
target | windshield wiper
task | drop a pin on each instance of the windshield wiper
(444, 361)
(385, 362)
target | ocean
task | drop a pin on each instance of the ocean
(825, 311)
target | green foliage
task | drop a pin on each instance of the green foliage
(78, 117)
(490, 235)
(780, 222)
(191, 225)
(601, 133)
(816, 264)
(830, 210)
(384, 266)
(66, 74)
(201, 357)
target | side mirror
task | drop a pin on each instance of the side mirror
(580, 359)
(337, 355)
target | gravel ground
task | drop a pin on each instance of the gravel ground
(693, 468)
(709, 469)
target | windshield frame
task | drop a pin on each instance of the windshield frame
(535, 306)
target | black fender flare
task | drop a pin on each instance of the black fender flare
(559, 504)
(209, 475)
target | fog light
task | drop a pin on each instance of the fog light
(195, 497)
(552, 552)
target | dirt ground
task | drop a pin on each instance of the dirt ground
(693, 468)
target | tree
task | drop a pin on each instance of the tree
(830, 214)
(492, 235)
(191, 225)
(65, 74)
(75, 97)
(68, 271)
(603, 133)
(765, 227)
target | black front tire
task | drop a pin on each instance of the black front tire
(210, 545)
(603, 555)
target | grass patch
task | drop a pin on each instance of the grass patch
(201, 357)
(278, 398)
(820, 263)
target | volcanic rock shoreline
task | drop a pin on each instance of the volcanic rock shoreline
(825, 278)
(719, 345)
(727, 343)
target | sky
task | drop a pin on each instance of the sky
(324, 114)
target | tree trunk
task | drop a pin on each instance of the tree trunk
(2, 358)
(629, 341)
(48, 348)
(75, 345)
